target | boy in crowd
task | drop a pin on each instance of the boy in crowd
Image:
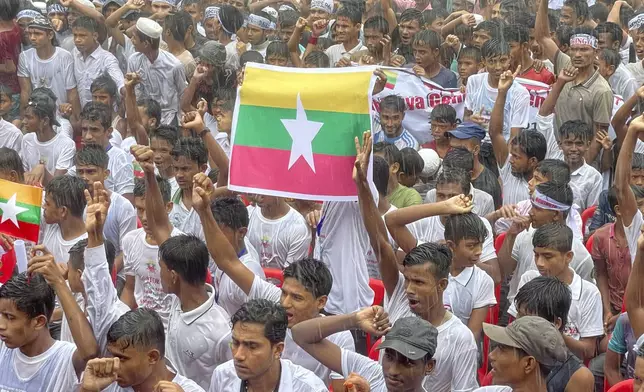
(162, 142)
(376, 40)
(105, 91)
(411, 21)
(610, 36)
(259, 25)
(469, 63)
(277, 54)
(399, 195)
(553, 252)
(485, 31)
(10, 135)
(389, 128)
(347, 31)
(259, 331)
(518, 38)
(411, 167)
(442, 120)
(426, 47)
(189, 157)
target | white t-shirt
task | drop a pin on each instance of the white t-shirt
(278, 241)
(479, 95)
(456, 351)
(633, 232)
(141, 260)
(585, 315)
(472, 289)
(121, 178)
(198, 340)
(493, 388)
(230, 296)
(20, 373)
(56, 154)
(293, 352)
(55, 73)
(52, 238)
(121, 219)
(10, 136)
(179, 211)
(186, 384)
(294, 378)
(338, 51)
(515, 189)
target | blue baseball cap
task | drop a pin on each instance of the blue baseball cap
(468, 130)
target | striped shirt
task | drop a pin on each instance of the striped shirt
(405, 139)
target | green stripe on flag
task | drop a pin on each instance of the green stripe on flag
(262, 127)
(32, 215)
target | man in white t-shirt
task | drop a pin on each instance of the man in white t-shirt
(259, 330)
(137, 346)
(189, 157)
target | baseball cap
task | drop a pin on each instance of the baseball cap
(413, 337)
(120, 3)
(468, 130)
(535, 335)
(44, 106)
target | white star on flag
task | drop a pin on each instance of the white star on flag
(302, 132)
(10, 210)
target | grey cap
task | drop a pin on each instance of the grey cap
(412, 337)
(535, 335)
(213, 53)
(120, 3)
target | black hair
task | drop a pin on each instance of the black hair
(563, 34)
(459, 157)
(492, 27)
(153, 42)
(350, 12)
(31, 295)
(188, 256)
(532, 143)
(9, 9)
(393, 102)
(438, 256)
(411, 14)
(471, 52)
(575, 129)
(164, 187)
(43, 106)
(638, 192)
(433, 14)
(599, 12)
(287, 18)
(87, 23)
(231, 19)
(213, 174)
(230, 212)
(165, 132)
(455, 175)
(494, 48)
(68, 191)
(10, 160)
(192, 148)
(324, 43)
(626, 14)
(77, 254)
(390, 151)
(555, 170)
(250, 56)
(311, 273)
(141, 328)
(267, 313)
(427, 38)
(377, 23)
(636, 164)
(444, 113)
(513, 5)
(317, 58)
(522, 18)
(105, 82)
(411, 163)
(553, 20)
(546, 297)
(97, 111)
(559, 192)
(380, 175)
(610, 57)
(152, 108)
(556, 236)
(465, 227)
(92, 154)
(177, 23)
(580, 7)
(517, 33)
(277, 48)
(612, 28)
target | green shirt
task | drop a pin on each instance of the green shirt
(403, 197)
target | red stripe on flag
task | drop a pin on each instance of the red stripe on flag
(27, 231)
(267, 168)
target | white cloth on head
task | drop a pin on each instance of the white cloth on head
(149, 27)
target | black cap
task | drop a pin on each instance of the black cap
(413, 337)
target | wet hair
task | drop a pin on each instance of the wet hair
(230, 212)
(87, 23)
(626, 14)
(444, 113)
(563, 34)
(433, 14)
(380, 175)
(9, 9)
(611, 57)
(165, 132)
(68, 191)
(393, 102)
(264, 312)
(553, 20)
(612, 28)
(93, 155)
(231, 19)
(465, 227)
(638, 192)
(377, 23)
(152, 108)
(579, 7)
(106, 83)
(460, 158)
(513, 6)
(575, 129)
(177, 23)
(213, 174)
(350, 12)
(141, 328)
(636, 164)
(470, 52)
(164, 187)
(311, 273)
(250, 56)
(532, 143)
(559, 192)
(317, 58)
(599, 12)
(192, 148)
(438, 256)
(455, 175)
(492, 27)
(390, 151)
(97, 111)
(555, 170)
(77, 254)
(277, 48)
(10, 160)
(31, 295)
(188, 256)
(411, 163)
(546, 297)
(494, 48)
(427, 38)
(517, 33)
(411, 14)
(555, 236)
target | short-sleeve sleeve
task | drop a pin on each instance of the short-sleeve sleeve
(367, 368)
(520, 108)
(591, 323)
(23, 72)
(485, 292)
(66, 158)
(265, 290)
(633, 233)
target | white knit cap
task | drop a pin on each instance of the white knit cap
(149, 27)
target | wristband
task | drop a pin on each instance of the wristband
(313, 40)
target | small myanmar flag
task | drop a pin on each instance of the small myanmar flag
(294, 128)
(391, 79)
(20, 210)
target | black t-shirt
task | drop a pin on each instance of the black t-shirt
(560, 375)
(489, 183)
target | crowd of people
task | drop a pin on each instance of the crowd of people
(506, 240)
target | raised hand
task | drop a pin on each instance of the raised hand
(98, 204)
(144, 156)
(202, 189)
(468, 19)
(507, 78)
(418, 70)
(135, 4)
(100, 373)
(192, 120)
(460, 204)
(381, 81)
(604, 140)
(318, 27)
(519, 224)
(453, 42)
(373, 320)
(568, 74)
(363, 152)
(45, 264)
(132, 79)
(301, 23)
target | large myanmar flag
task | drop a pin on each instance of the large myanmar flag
(20, 210)
(293, 131)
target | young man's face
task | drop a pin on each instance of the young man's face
(16, 328)
(84, 39)
(551, 262)
(422, 289)
(605, 41)
(185, 170)
(147, 121)
(582, 56)
(317, 14)
(402, 373)
(277, 60)
(391, 121)
(540, 216)
(109, 9)
(574, 150)
(537, 179)
(479, 37)
(424, 55)
(568, 16)
(102, 96)
(372, 39)
(496, 11)
(5, 104)
(519, 161)
(497, 65)
(436, 25)
(534, 45)
(51, 212)
(212, 27)
(24, 30)
(507, 365)
(161, 8)
(637, 177)
(638, 41)
(285, 32)
(605, 70)
(439, 130)
(472, 145)
(136, 364)
(407, 30)
(299, 303)
(467, 67)
(517, 51)
(32, 122)
(194, 11)
(91, 173)
(253, 353)
(94, 133)
(345, 29)
(239, 4)
(39, 38)
(162, 153)
(256, 36)
(466, 253)
(139, 206)
(224, 120)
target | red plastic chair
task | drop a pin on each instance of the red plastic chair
(274, 276)
(378, 291)
(373, 352)
(624, 386)
(589, 244)
(585, 216)
(498, 242)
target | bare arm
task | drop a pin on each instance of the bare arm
(634, 295)
(584, 348)
(74, 100)
(548, 105)
(132, 111)
(624, 113)
(625, 196)
(613, 15)
(499, 144)
(127, 295)
(612, 367)
(475, 323)
(389, 14)
(542, 32)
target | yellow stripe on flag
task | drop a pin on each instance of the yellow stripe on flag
(327, 92)
(24, 193)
